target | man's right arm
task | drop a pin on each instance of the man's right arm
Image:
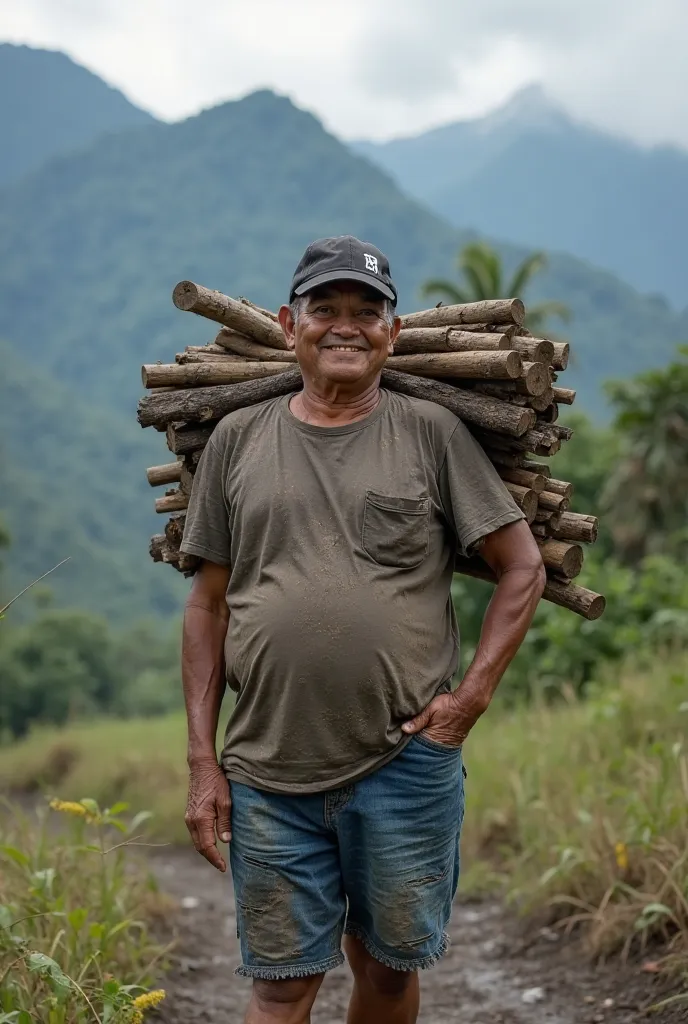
(206, 618)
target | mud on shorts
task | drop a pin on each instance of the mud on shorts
(377, 859)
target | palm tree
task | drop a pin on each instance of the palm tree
(482, 269)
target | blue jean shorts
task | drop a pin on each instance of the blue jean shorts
(377, 859)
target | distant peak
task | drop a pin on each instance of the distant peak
(530, 106)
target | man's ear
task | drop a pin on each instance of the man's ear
(394, 333)
(288, 326)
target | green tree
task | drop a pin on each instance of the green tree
(646, 498)
(483, 272)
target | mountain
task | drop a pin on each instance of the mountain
(50, 106)
(531, 174)
(90, 249)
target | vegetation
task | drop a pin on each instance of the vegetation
(482, 268)
(74, 942)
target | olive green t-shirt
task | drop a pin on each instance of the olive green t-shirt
(341, 543)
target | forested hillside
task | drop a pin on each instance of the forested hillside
(531, 174)
(50, 106)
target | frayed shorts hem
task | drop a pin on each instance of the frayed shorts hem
(287, 971)
(421, 963)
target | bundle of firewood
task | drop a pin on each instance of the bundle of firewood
(475, 359)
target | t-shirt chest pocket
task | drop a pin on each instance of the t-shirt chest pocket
(396, 530)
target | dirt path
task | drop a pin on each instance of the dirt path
(492, 971)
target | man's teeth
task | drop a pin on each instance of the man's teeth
(344, 348)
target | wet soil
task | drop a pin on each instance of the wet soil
(497, 970)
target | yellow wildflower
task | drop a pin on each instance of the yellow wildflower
(69, 807)
(137, 1017)
(149, 999)
(621, 856)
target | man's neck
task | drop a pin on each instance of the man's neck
(334, 407)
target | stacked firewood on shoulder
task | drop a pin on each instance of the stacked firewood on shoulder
(475, 359)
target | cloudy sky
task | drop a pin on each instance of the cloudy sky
(380, 68)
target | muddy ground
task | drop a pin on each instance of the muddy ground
(489, 975)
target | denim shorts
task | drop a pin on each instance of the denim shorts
(377, 859)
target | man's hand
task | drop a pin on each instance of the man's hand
(208, 810)
(449, 717)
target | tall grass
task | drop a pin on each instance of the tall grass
(580, 807)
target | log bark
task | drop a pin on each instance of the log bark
(240, 316)
(172, 502)
(562, 487)
(565, 559)
(200, 375)
(525, 498)
(476, 409)
(184, 358)
(259, 309)
(560, 359)
(577, 599)
(463, 365)
(551, 502)
(508, 329)
(550, 414)
(170, 473)
(575, 527)
(174, 529)
(537, 467)
(185, 441)
(199, 405)
(508, 460)
(249, 349)
(541, 403)
(564, 396)
(448, 339)
(543, 516)
(538, 350)
(491, 311)
(539, 442)
(535, 481)
(186, 480)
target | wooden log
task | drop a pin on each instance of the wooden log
(552, 502)
(525, 498)
(159, 547)
(544, 516)
(508, 329)
(565, 559)
(538, 529)
(535, 377)
(574, 526)
(560, 431)
(174, 529)
(508, 460)
(535, 481)
(199, 375)
(537, 467)
(240, 316)
(183, 358)
(464, 365)
(549, 414)
(560, 487)
(564, 396)
(211, 347)
(186, 480)
(200, 405)
(475, 409)
(541, 403)
(448, 339)
(184, 440)
(170, 473)
(249, 349)
(172, 502)
(259, 309)
(492, 311)
(560, 359)
(577, 599)
(539, 442)
(538, 350)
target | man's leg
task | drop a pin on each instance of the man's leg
(290, 900)
(380, 993)
(399, 848)
(283, 1002)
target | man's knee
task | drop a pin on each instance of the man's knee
(385, 981)
(281, 997)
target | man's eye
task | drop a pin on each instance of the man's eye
(323, 310)
(367, 312)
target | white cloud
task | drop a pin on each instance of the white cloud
(384, 68)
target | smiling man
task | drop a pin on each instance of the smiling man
(328, 522)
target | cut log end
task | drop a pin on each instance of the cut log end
(185, 295)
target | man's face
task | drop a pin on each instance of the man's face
(342, 335)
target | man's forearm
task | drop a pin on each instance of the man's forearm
(203, 674)
(507, 620)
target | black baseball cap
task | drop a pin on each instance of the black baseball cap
(343, 258)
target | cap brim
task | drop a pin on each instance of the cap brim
(346, 275)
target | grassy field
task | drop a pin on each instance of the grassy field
(581, 807)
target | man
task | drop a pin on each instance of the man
(328, 521)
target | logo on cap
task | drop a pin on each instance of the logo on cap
(371, 262)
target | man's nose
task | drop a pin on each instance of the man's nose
(345, 327)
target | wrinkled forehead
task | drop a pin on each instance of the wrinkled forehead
(337, 290)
